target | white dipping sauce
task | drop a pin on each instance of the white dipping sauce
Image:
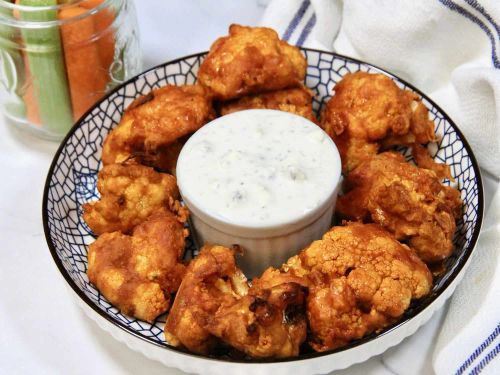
(258, 168)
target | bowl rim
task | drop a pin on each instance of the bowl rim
(307, 356)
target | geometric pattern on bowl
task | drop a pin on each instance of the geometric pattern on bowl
(71, 181)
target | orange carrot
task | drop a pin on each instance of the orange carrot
(29, 97)
(102, 23)
(90, 4)
(16, 13)
(87, 82)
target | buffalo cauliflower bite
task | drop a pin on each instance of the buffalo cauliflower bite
(138, 273)
(210, 280)
(296, 100)
(155, 126)
(251, 60)
(215, 306)
(129, 194)
(408, 201)
(360, 280)
(369, 112)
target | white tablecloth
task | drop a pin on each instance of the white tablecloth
(42, 330)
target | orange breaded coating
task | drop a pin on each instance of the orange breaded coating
(129, 194)
(408, 201)
(138, 273)
(154, 124)
(296, 100)
(424, 160)
(360, 280)
(211, 279)
(368, 113)
(214, 306)
(265, 323)
(251, 60)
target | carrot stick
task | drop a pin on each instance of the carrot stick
(15, 12)
(86, 81)
(28, 93)
(29, 97)
(106, 42)
(90, 4)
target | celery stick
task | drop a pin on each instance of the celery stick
(46, 63)
(11, 66)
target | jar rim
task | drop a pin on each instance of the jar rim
(10, 20)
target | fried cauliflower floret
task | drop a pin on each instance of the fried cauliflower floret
(265, 323)
(211, 279)
(424, 160)
(251, 60)
(214, 306)
(408, 201)
(360, 280)
(129, 194)
(138, 273)
(155, 126)
(297, 101)
(369, 113)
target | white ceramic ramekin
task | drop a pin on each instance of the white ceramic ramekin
(262, 245)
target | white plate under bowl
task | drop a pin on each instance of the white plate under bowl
(71, 182)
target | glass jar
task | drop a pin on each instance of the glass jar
(57, 58)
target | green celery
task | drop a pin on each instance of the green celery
(46, 64)
(12, 66)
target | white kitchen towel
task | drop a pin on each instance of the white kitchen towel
(450, 49)
(469, 340)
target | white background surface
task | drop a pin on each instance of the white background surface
(42, 330)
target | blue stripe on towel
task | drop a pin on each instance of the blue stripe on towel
(296, 20)
(487, 359)
(480, 9)
(479, 350)
(307, 30)
(462, 11)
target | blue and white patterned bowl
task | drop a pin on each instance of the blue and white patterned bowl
(71, 182)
